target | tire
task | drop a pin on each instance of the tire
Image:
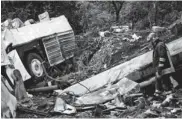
(34, 66)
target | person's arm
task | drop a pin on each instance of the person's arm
(162, 57)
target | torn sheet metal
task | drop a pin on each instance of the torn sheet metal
(32, 32)
(111, 75)
(16, 61)
(62, 107)
(8, 102)
(4, 56)
(124, 86)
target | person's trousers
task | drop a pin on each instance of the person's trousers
(164, 83)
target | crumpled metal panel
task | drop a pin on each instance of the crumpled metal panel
(8, 102)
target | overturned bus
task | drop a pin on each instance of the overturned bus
(40, 46)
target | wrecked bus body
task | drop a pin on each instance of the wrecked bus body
(47, 43)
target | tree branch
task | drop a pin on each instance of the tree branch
(114, 4)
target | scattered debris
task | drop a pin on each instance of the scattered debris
(29, 95)
(32, 111)
(167, 100)
(29, 22)
(124, 86)
(150, 113)
(110, 93)
(156, 104)
(43, 89)
(44, 17)
(120, 29)
(176, 110)
(17, 23)
(62, 107)
(135, 37)
(142, 103)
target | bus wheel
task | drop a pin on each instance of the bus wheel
(35, 68)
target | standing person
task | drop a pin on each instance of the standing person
(160, 62)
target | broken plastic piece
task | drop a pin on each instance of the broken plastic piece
(62, 107)
(175, 110)
(167, 100)
(150, 112)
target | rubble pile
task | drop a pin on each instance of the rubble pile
(127, 105)
(123, 98)
(120, 99)
(155, 109)
(111, 48)
(105, 52)
(101, 59)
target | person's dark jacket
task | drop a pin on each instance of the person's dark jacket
(160, 58)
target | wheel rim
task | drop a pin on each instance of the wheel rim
(36, 68)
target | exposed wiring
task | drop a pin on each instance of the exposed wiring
(57, 79)
(46, 74)
(84, 86)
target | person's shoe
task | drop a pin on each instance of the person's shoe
(168, 92)
(157, 93)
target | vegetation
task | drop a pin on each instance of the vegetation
(87, 16)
